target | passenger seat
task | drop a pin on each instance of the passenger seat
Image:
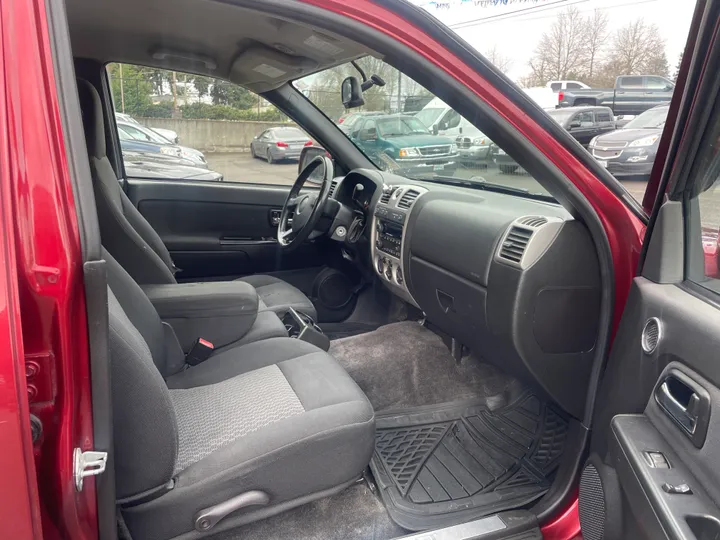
(252, 431)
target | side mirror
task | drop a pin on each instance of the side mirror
(443, 126)
(435, 129)
(309, 153)
(575, 124)
(351, 93)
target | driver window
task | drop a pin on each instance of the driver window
(222, 129)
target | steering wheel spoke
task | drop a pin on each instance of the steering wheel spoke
(301, 213)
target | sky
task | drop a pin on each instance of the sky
(516, 34)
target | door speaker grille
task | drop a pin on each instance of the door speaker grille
(651, 334)
(592, 504)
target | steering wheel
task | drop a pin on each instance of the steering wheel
(306, 209)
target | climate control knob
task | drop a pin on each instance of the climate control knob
(399, 276)
(379, 227)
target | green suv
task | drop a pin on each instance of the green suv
(395, 141)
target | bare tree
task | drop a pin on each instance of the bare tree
(498, 59)
(562, 50)
(596, 33)
(638, 48)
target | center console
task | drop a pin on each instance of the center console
(388, 235)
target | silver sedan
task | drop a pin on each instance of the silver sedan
(279, 143)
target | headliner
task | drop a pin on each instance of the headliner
(250, 48)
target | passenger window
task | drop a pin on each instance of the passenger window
(704, 198)
(583, 118)
(631, 82)
(180, 126)
(556, 86)
(656, 83)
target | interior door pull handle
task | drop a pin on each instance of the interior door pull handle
(685, 415)
(686, 403)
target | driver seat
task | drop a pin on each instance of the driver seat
(132, 241)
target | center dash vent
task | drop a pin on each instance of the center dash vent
(333, 186)
(533, 221)
(408, 198)
(385, 197)
(515, 244)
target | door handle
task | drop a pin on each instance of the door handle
(686, 403)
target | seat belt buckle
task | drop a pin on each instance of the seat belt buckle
(199, 352)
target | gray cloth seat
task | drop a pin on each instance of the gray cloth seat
(277, 416)
(128, 236)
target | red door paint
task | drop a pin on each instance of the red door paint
(39, 220)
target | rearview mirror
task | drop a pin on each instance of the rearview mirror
(351, 93)
(307, 155)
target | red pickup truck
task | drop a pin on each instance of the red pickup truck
(364, 353)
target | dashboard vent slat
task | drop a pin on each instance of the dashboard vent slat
(516, 241)
(385, 197)
(333, 185)
(408, 198)
(533, 221)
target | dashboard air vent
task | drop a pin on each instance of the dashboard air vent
(333, 186)
(533, 221)
(385, 197)
(408, 198)
(515, 243)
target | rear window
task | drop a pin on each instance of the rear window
(556, 86)
(289, 133)
(630, 82)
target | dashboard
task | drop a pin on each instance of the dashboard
(513, 279)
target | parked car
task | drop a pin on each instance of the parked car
(474, 147)
(584, 123)
(556, 86)
(167, 134)
(403, 141)
(142, 133)
(279, 143)
(632, 94)
(143, 165)
(629, 153)
(145, 145)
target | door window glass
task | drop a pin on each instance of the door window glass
(574, 86)
(656, 83)
(218, 127)
(603, 116)
(631, 82)
(583, 118)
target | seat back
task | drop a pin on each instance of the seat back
(125, 233)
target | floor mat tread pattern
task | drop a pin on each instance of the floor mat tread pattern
(438, 466)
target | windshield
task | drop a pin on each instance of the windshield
(429, 116)
(399, 126)
(560, 116)
(652, 119)
(434, 143)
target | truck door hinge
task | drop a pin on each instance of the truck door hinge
(88, 463)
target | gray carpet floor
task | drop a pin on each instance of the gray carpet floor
(404, 365)
(399, 365)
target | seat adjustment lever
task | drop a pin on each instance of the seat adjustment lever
(207, 518)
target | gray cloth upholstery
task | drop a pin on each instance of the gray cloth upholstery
(278, 415)
(128, 236)
(279, 295)
(144, 423)
(210, 417)
(326, 446)
(221, 313)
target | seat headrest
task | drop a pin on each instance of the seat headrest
(93, 121)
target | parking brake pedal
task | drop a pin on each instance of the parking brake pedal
(207, 518)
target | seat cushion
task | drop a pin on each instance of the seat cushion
(279, 295)
(294, 428)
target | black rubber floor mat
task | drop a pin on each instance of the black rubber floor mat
(445, 464)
